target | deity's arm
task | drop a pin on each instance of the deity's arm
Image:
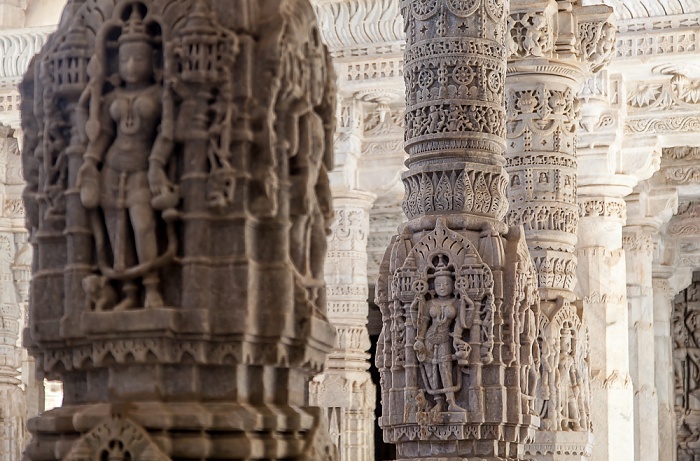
(162, 149)
(163, 144)
(100, 141)
(324, 197)
(466, 312)
(422, 317)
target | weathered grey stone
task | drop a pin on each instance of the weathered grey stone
(176, 155)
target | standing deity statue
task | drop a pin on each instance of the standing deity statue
(123, 178)
(569, 381)
(441, 322)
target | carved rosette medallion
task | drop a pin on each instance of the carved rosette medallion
(176, 160)
(455, 76)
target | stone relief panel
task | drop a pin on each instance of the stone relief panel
(564, 395)
(447, 319)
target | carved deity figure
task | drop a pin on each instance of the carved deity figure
(441, 322)
(123, 175)
(530, 361)
(680, 350)
(569, 381)
(546, 396)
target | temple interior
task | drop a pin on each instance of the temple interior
(503, 205)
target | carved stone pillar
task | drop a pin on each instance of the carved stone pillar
(663, 364)
(638, 245)
(176, 156)
(613, 167)
(601, 275)
(553, 46)
(345, 391)
(457, 288)
(12, 396)
(647, 211)
(686, 363)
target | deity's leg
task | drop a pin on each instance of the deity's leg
(144, 225)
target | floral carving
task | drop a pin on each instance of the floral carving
(530, 34)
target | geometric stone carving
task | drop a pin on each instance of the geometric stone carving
(686, 363)
(176, 160)
(116, 438)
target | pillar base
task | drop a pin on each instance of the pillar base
(561, 446)
(156, 431)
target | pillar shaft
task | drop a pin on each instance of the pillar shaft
(345, 391)
(457, 289)
(545, 73)
(13, 284)
(638, 245)
(663, 366)
(601, 276)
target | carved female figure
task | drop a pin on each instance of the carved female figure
(569, 382)
(126, 156)
(440, 324)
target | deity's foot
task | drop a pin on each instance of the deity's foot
(439, 406)
(454, 408)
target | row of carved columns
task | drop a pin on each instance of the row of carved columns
(584, 359)
(19, 397)
(345, 390)
(585, 218)
(20, 392)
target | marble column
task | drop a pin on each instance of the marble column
(178, 204)
(12, 395)
(638, 246)
(345, 391)
(663, 362)
(613, 167)
(457, 288)
(554, 46)
(601, 273)
(647, 210)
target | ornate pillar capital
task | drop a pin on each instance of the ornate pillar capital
(569, 41)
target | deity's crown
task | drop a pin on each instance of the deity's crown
(567, 333)
(442, 269)
(134, 29)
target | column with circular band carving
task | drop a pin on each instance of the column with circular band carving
(457, 287)
(549, 45)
